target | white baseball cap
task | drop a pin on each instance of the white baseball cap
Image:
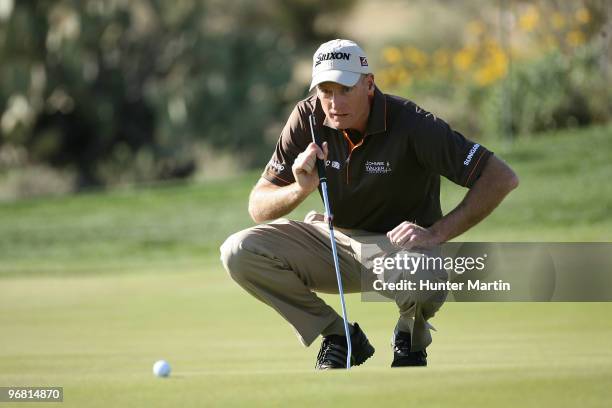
(341, 61)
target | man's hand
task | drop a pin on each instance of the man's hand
(269, 201)
(305, 169)
(408, 235)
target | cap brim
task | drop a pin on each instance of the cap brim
(345, 78)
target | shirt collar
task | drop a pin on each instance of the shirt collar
(377, 121)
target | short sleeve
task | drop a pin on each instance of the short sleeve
(292, 141)
(447, 152)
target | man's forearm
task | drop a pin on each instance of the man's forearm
(268, 203)
(496, 181)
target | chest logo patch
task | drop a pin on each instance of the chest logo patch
(378, 167)
(334, 164)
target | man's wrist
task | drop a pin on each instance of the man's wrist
(439, 233)
(300, 192)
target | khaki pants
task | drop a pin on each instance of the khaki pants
(285, 262)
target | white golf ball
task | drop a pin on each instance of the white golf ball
(161, 368)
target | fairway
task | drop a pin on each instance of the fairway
(95, 288)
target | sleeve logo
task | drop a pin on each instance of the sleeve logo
(276, 166)
(470, 155)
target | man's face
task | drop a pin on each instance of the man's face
(347, 107)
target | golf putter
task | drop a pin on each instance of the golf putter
(328, 215)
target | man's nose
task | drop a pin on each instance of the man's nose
(336, 100)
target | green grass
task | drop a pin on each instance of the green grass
(95, 287)
(99, 336)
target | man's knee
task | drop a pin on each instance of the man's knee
(233, 255)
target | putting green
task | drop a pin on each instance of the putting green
(98, 337)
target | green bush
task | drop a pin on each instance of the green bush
(554, 92)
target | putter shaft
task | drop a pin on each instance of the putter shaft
(328, 215)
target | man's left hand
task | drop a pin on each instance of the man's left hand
(408, 235)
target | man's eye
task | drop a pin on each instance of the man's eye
(347, 89)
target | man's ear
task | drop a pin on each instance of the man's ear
(371, 83)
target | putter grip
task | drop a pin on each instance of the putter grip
(315, 140)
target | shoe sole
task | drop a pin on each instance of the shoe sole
(396, 365)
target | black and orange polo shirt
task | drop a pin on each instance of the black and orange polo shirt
(393, 173)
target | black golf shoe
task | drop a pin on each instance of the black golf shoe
(402, 356)
(333, 350)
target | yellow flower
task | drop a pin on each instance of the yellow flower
(441, 58)
(402, 76)
(487, 75)
(491, 46)
(583, 15)
(529, 19)
(393, 77)
(495, 66)
(463, 59)
(483, 76)
(500, 62)
(416, 57)
(575, 38)
(392, 55)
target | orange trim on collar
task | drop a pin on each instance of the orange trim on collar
(352, 145)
